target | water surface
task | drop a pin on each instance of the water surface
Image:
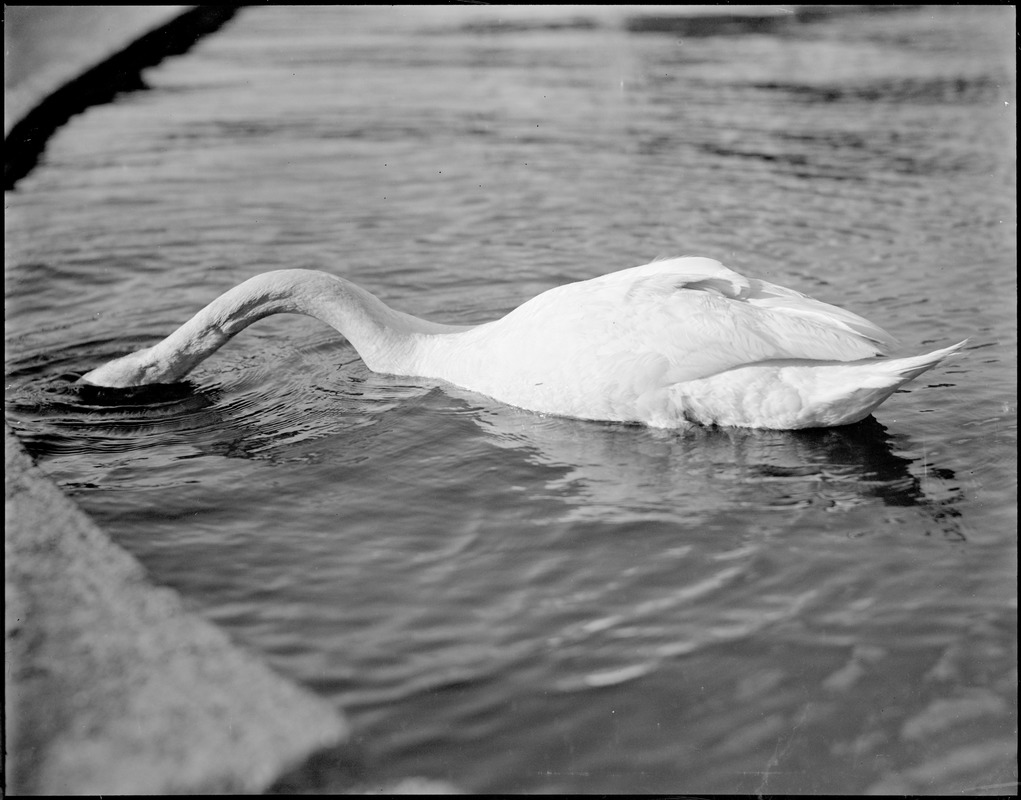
(521, 603)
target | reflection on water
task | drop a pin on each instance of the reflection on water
(613, 472)
(604, 471)
(523, 603)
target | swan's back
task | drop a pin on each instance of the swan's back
(674, 283)
(597, 347)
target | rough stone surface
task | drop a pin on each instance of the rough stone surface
(112, 687)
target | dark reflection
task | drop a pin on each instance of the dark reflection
(154, 395)
(609, 470)
(504, 26)
(601, 471)
(721, 21)
(957, 89)
(798, 164)
(59, 416)
(337, 768)
(102, 83)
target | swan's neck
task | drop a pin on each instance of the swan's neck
(387, 340)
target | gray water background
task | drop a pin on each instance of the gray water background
(524, 603)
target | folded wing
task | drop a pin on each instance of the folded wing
(697, 318)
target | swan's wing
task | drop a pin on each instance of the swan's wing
(683, 319)
(708, 275)
(787, 301)
(691, 272)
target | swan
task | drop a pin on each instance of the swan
(669, 343)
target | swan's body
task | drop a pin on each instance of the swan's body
(665, 344)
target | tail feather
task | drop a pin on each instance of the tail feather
(898, 371)
(851, 391)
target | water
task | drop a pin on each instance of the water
(520, 603)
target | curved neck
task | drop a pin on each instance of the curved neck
(387, 340)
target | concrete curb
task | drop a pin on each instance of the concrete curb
(39, 101)
(111, 685)
(48, 48)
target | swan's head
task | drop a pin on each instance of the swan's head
(134, 369)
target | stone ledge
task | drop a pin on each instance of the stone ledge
(112, 686)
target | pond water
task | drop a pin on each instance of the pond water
(520, 603)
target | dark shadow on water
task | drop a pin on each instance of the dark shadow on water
(596, 471)
(336, 769)
(603, 468)
(59, 416)
(719, 24)
(958, 89)
(153, 395)
(722, 21)
(120, 73)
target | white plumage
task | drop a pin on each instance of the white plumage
(666, 344)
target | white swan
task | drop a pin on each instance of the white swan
(666, 344)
